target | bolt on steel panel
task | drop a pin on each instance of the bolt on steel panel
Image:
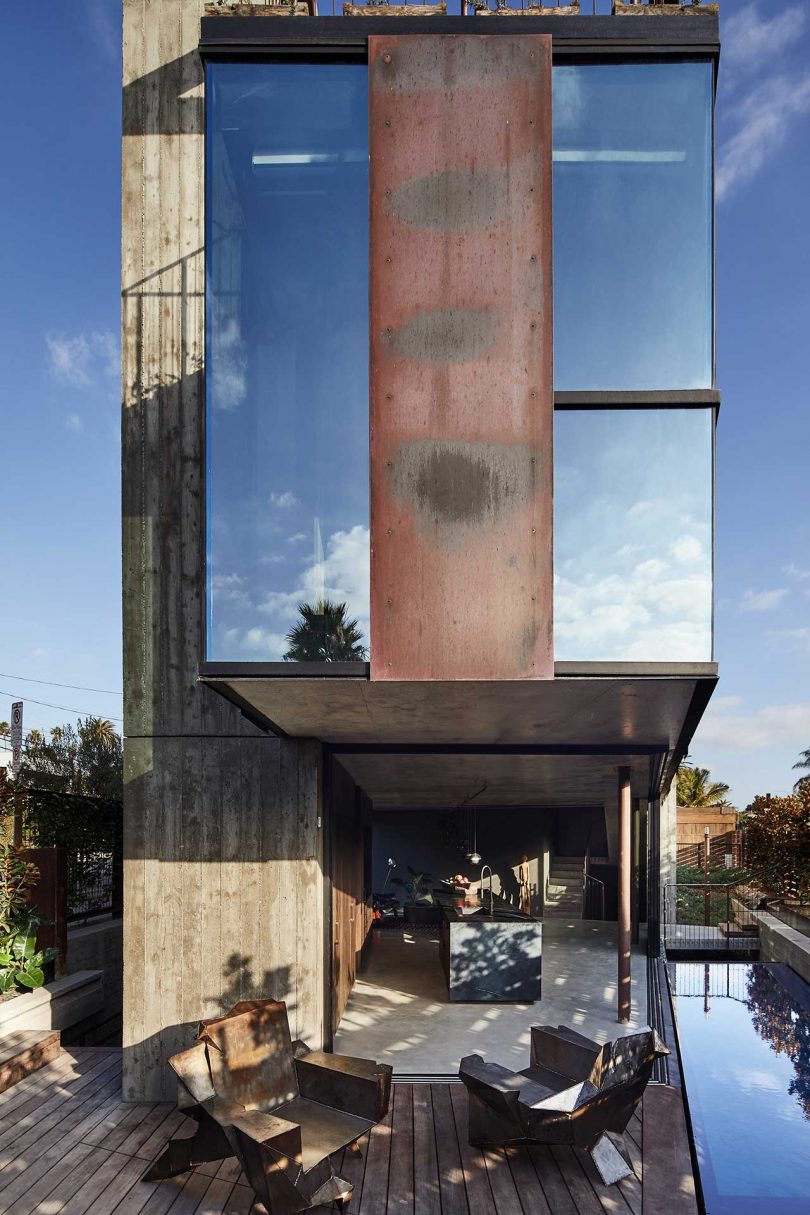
(461, 357)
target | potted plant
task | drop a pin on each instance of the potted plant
(421, 907)
(381, 8)
(482, 9)
(657, 8)
(271, 8)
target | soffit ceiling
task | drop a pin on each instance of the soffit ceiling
(411, 781)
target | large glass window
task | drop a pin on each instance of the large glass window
(287, 361)
(633, 535)
(633, 226)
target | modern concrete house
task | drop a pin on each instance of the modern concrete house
(418, 449)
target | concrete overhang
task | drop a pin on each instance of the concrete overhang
(597, 708)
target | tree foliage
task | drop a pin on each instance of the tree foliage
(86, 758)
(324, 634)
(777, 839)
(774, 1018)
(696, 788)
(803, 762)
(22, 965)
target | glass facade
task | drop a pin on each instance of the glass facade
(633, 535)
(633, 226)
(287, 361)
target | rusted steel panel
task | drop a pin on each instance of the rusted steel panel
(461, 357)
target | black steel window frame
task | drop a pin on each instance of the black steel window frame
(583, 40)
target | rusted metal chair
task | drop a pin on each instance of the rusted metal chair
(574, 1092)
(280, 1108)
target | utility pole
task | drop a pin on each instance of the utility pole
(16, 760)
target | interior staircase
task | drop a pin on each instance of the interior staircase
(564, 889)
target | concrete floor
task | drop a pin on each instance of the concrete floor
(398, 1011)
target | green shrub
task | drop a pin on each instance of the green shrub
(22, 965)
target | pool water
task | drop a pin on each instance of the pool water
(744, 1035)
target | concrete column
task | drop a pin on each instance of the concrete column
(625, 882)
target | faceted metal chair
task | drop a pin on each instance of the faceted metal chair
(280, 1108)
(574, 1092)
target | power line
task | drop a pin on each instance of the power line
(76, 687)
(47, 705)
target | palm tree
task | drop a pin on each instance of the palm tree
(324, 635)
(803, 762)
(100, 730)
(696, 788)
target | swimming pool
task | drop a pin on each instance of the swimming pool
(744, 1036)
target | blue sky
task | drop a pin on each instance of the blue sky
(59, 384)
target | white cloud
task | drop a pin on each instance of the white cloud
(343, 575)
(763, 119)
(634, 617)
(762, 601)
(750, 40)
(82, 359)
(773, 725)
(227, 365)
(257, 643)
(105, 30)
(285, 500)
(230, 588)
(793, 639)
(687, 549)
(721, 703)
(796, 571)
(296, 538)
(74, 422)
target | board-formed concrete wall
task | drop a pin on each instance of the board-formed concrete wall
(223, 894)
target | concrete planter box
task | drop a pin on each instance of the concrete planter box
(779, 943)
(57, 1005)
(621, 8)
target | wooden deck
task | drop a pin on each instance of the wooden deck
(69, 1145)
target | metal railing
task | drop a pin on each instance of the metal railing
(711, 916)
(593, 898)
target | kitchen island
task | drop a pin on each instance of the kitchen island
(491, 957)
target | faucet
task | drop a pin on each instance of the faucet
(489, 867)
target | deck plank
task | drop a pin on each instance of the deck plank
(91, 1195)
(669, 1184)
(401, 1167)
(39, 1105)
(427, 1195)
(502, 1183)
(476, 1179)
(555, 1189)
(77, 1149)
(611, 1198)
(451, 1175)
(35, 1183)
(579, 1187)
(54, 1132)
(527, 1183)
(374, 1198)
(177, 1123)
(352, 1169)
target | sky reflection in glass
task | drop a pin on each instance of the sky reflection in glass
(287, 351)
(632, 226)
(633, 535)
(744, 1033)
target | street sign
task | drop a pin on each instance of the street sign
(16, 737)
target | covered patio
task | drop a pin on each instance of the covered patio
(398, 1011)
